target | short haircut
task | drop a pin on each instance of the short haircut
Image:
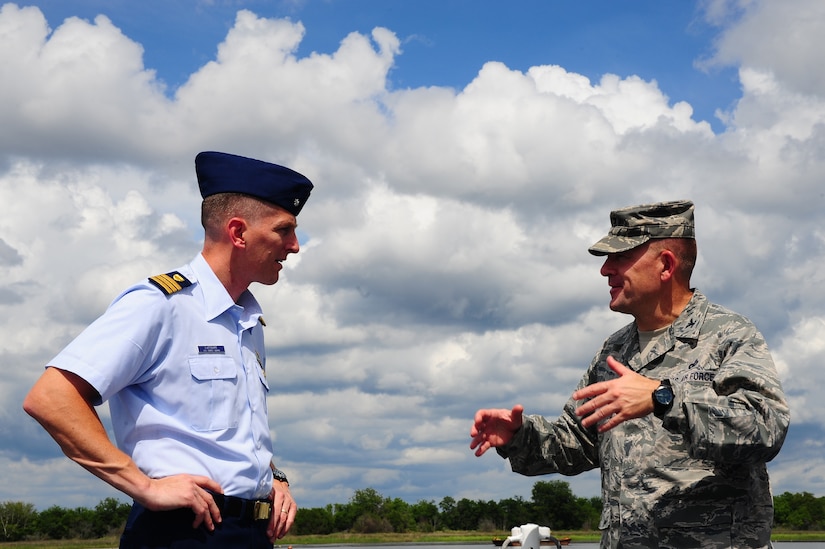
(219, 208)
(685, 251)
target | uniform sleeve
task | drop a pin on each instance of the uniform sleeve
(117, 348)
(561, 446)
(742, 416)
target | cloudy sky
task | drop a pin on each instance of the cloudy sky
(464, 156)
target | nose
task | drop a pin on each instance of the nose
(292, 245)
(607, 267)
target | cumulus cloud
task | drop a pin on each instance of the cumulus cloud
(443, 264)
(779, 37)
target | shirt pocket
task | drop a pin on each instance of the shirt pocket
(214, 397)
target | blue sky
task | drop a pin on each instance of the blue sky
(464, 156)
(445, 42)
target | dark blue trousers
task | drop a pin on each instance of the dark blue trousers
(173, 530)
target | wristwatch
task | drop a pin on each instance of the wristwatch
(279, 475)
(662, 398)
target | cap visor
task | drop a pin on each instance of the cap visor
(616, 244)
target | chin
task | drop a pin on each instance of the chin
(268, 281)
(617, 307)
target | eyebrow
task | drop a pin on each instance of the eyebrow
(286, 224)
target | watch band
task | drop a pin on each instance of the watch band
(279, 475)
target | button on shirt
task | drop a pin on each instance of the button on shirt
(184, 376)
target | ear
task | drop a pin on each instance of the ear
(669, 263)
(235, 228)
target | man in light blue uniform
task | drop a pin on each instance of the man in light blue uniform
(180, 359)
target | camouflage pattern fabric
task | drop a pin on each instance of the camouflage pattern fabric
(635, 225)
(697, 477)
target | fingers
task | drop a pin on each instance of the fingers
(479, 441)
(213, 514)
(206, 510)
(595, 389)
(210, 513)
(184, 491)
(284, 510)
(591, 390)
(516, 415)
(618, 401)
(493, 428)
(482, 447)
(617, 366)
(480, 419)
(208, 484)
(479, 428)
(593, 412)
(595, 401)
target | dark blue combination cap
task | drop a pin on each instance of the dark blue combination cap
(228, 173)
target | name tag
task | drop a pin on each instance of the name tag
(211, 349)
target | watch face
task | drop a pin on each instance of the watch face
(664, 395)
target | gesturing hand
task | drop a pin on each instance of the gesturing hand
(495, 428)
(614, 402)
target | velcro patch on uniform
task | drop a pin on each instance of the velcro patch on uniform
(170, 283)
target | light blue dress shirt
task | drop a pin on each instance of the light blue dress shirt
(185, 379)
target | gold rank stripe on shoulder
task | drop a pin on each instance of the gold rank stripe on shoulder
(170, 283)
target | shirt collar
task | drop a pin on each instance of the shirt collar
(689, 323)
(216, 300)
(686, 326)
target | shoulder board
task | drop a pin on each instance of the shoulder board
(170, 283)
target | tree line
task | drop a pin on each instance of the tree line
(552, 504)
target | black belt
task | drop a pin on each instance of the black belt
(246, 509)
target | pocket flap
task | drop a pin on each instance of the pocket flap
(205, 368)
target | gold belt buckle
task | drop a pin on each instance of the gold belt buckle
(262, 510)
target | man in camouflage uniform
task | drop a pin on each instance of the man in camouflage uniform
(681, 408)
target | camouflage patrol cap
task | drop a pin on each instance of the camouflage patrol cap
(635, 225)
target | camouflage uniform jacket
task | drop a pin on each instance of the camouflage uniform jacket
(697, 477)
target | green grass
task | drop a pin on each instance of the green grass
(385, 539)
(797, 535)
(102, 543)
